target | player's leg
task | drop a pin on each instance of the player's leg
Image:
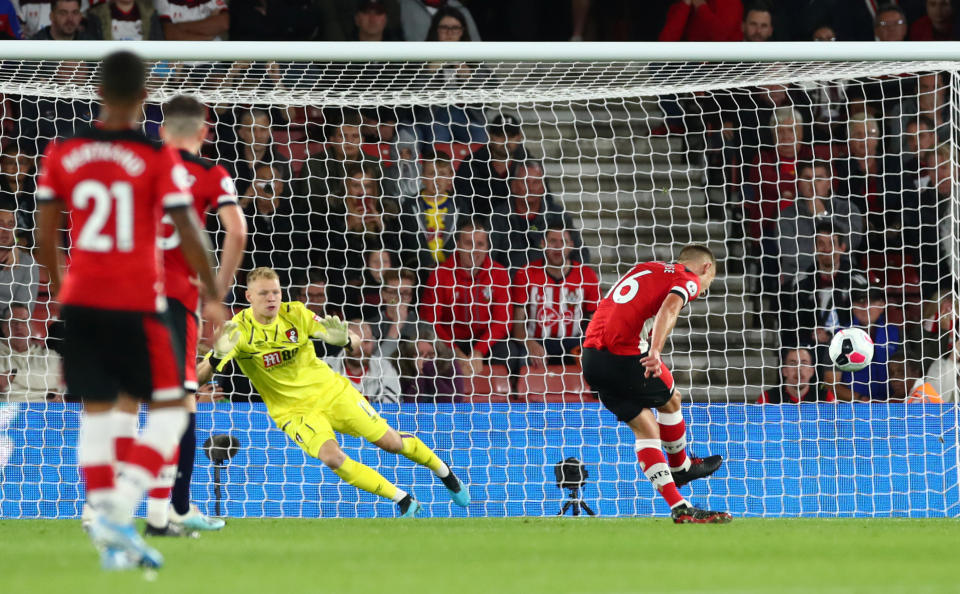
(314, 434)
(673, 436)
(647, 446)
(173, 515)
(412, 448)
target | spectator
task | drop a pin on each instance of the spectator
(553, 300)
(370, 373)
(816, 303)
(936, 334)
(890, 23)
(757, 23)
(289, 20)
(29, 372)
(915, 223)
(539, 20)
(17, 181)
(467, 300)
(66, 23)
(428, 222)
(393, 149)
(348, 11)
(194, 20)
(458, 122)
(417, 17)
(9, 22)
(126, 20)
(907, 381)
(772, 178)
(314, 293)
(370, 23)
(703, 20)
(254, 147)
(19, 273)
(35, 15)
(798, 374)
(936, 25)
(915, 152)
(862, 171)
(929, 100)
(482, 177)
(428, 371)
(517, 227)
(943, 376)
(798, 222)
(869, 313)
(394, 316)
(824, 33)
(277, 235)
(323, 177)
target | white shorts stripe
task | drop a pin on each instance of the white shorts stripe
(167, 394)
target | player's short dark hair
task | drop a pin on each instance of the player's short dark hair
(123, 77)
(184, 115)
(756, 6)
(693, 251)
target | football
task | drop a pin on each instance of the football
(851, 349)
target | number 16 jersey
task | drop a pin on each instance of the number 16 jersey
(114, 185)
(624, 319)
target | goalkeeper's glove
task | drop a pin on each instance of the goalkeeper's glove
(226, 340)
(333, 331)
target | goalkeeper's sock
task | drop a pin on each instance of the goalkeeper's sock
(415, 450)
(95, 457)
(124, 431)
(158, 497)
(673, 439)
(654, 465)
(363, 477)
(188, 451)
(156, 444)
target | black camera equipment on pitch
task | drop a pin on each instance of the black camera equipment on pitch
(219, 449)
(572, 475)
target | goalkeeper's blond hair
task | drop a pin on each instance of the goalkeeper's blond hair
(262, 272)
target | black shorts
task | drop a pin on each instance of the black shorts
(185, 324)
(620, 383)
(106, 352)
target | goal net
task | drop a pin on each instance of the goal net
(827, 189)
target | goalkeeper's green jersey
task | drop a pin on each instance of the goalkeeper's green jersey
(281, 363)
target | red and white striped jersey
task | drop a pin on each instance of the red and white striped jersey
(556, 308)
(624, 320)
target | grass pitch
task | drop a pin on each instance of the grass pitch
(502, 556)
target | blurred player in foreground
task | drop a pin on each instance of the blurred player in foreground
(270, 343)
(114, 183)
(621, 361)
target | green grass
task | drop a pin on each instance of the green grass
(499, 556)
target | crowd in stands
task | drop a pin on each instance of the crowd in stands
(434, 231)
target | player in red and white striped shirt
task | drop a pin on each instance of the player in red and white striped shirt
(553, 299)
(621, 362)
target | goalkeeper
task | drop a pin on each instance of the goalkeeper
(270, 343)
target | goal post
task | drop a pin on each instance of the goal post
(641, 148)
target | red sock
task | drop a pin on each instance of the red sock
(673, 438)
(168, 474)
(654, 465)
(98, 477)
(146, 458)
(122, 447)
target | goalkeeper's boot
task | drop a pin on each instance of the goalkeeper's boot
(458, 492)
(409, 507)
(172, 530)
(699, 468)
(688, 514)
(126, 538)
(194, 519)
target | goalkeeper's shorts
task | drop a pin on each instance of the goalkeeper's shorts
(620, 383)
(347, 412)
(106, 352)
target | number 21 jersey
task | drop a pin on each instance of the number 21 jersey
(624, 319)
(114, 185)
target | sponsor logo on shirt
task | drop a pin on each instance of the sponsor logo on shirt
(292, 335)
(279, 357)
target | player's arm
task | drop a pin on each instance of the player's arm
(49, 221)
(662, 326)
(235, 225)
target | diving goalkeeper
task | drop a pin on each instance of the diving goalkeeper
(270, 343)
